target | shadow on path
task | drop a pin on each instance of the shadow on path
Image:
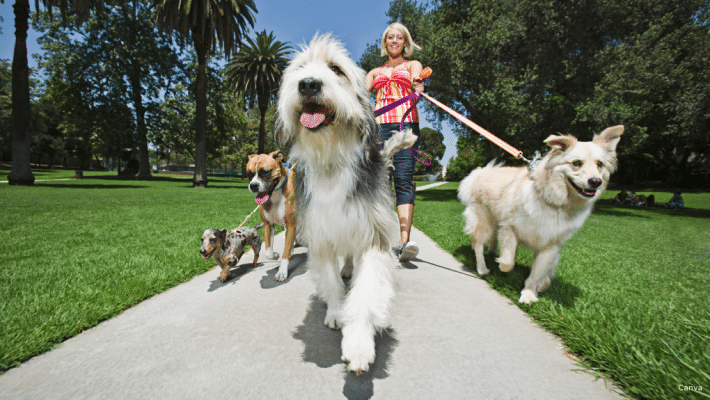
(322, 347)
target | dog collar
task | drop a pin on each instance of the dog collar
(287, 165)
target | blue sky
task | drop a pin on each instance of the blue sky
(356, 24)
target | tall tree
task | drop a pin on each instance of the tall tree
(205, 22)
(21, 173)
(256, 71)
(120, 63)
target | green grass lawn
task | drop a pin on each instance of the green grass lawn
(630, 297)
(76, 252)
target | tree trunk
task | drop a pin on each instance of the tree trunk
(263, 107)
(200, 177)
(21, 173)
(144, 157)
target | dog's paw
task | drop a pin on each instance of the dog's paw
(272, 255)
(358, 352)
(282, 273)
(224, 276)
(331, 320)
(483, 271)
(527, 296)
(506, 267)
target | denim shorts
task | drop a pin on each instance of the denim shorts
(404, 163)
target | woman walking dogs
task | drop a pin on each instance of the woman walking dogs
(393, 81)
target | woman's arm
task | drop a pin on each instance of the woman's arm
(415, 68)
(370, 79)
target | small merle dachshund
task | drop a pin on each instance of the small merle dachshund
(227, 247)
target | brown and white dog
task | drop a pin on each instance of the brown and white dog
(274, 184)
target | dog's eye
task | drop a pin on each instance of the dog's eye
(577, 163)
(212, 240)
(264, 173)
(250, 175)
(336, 69)
(600, 164)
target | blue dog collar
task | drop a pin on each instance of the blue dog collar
(288, 172)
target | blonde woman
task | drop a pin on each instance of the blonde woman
(393, 81)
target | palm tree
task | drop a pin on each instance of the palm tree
(21, 173)
(256, 71)
(202, 20)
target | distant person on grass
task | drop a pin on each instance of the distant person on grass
(676, 202)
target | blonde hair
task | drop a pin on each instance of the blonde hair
(409, 47)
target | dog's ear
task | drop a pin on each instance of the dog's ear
(561, 143)
(223, 233)
(252, 156)
(277, 155)
(609, 138)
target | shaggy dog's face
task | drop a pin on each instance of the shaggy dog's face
(321, 88)
(585, 167)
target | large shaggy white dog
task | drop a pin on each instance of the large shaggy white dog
(344, 210)
(540, 209)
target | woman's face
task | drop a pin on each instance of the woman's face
(395, 42)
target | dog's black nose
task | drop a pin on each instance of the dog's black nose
(310, 86)
(254, 187)
(594, 182)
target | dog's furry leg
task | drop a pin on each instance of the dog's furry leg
(282, 273)
(542, 266)
(268, 244)
(367, 307)
(481, 232)
(508, 245)
(330, 287)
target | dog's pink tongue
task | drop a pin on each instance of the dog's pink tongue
(312, 120)
(262, 198)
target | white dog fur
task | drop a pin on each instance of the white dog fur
(343, 204)
(541, 209)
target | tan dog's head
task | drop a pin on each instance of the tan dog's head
(265, 172)
(577, 170)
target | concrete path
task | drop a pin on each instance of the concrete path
(452, 337)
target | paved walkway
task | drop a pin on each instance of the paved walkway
(452, 337)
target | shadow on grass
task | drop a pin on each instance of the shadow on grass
(88, 186)
(322, 348)
(436, 194)
(511, 283)
(134, 183)
(648, 212)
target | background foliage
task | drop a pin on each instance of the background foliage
(525, 70)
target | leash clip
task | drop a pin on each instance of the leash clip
(535, 160)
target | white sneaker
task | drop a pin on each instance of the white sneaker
(409, 251)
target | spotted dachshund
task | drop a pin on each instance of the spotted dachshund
(227, 247)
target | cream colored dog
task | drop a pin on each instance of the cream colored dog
(540, 209)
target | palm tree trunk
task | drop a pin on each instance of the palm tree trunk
(263, 107)
(200, 177)
(21, 173)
